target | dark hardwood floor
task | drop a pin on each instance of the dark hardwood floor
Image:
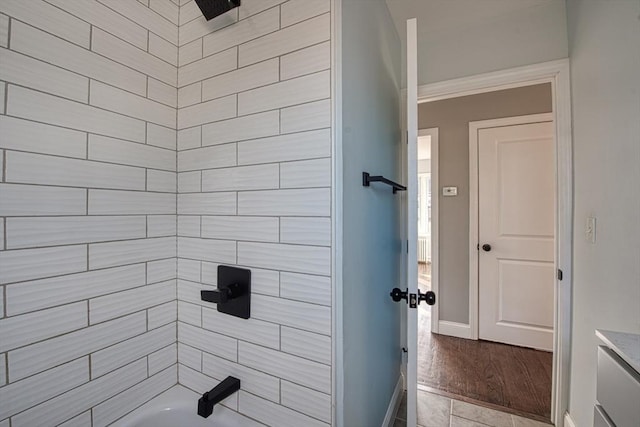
(515, 378)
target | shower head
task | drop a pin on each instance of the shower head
(212, 8)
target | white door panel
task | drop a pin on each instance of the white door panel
(519, 286)
(522, 185)
(516, 205)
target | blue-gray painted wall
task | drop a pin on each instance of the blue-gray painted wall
(372, 216)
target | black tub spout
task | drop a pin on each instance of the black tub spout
(220, 392)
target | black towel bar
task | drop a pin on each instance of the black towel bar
(367, 179)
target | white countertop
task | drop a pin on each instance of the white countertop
(625, 344)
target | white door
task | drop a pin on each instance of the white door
(412, 222)
(516, 223)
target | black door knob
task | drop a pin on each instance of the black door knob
(486, 247)
(397, 294)
(429, 297)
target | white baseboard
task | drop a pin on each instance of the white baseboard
(454, 329)
(568, 421)
(394, 403)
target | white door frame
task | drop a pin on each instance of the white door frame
(474, 282)
(557, 74)
(412, 218)
(433, 133)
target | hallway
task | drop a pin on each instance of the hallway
(498, 376)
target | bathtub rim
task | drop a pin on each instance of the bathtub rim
(177, 397)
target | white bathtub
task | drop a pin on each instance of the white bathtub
(177, 407)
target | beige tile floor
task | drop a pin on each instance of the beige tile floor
(439, 411)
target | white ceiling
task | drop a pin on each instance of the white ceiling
(454, 15)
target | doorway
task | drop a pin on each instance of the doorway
(500, 371)
(555, 73)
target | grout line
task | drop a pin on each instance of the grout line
(279, 176)
(179, 11)
(6, 365)
(100, 161)
(146, 272)
(88, 90)
(118, 190)
(280, 284)
(89, 326)
(5, 100)
(3, 176)
(75, 273)
(9, 32)
(237, 150)
(279, 16)
(4, 304)
(280, 121)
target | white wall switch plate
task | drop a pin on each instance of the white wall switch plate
(449, 191)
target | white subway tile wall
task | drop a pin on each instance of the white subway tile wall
(141, 147)
(88, 318)
(254, 190)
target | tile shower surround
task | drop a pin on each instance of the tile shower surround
(141, 147)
